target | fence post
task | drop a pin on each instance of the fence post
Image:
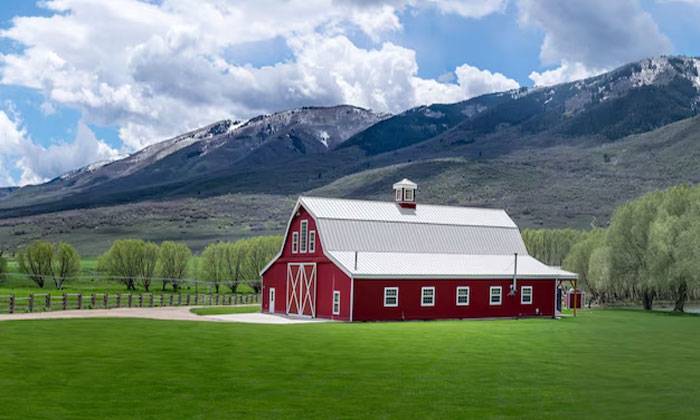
(47, 302)
(171, 299)
(31, 302)
(106, 297)
(217, 299)
(12, 304)
(119, 300)
(128, 299)
(188, 300)
(65, 301)
(196, 299)
(150, 300)
(80, 300)
(140, 300)
(179, 299)
(93, 301)
(162, 300)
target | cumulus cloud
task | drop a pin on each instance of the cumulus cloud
(39, 164)
(156, 70)
(566, 72)
(586, 38)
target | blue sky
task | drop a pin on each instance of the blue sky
(95, 80)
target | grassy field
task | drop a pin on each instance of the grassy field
(225, 310)
(604, 364)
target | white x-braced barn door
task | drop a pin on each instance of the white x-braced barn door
(301, 289)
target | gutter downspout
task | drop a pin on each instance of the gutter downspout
(514, 286)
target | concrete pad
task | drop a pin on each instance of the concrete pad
(261, 318)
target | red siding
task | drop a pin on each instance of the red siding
(329, 276)
(369, 299)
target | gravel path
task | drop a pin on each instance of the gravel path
(178, 313)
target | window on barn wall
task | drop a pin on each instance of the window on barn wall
(526, 295)
(427, 296)
(391, 296)
(312, 241)
(304, 235)
(462, 295)
(495, 295)
(336, 302)
(295, 242)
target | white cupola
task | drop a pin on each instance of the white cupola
(405, 193)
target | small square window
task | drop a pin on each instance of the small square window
(427, 296)
(295, 242)
(408, 195)
(336, 302)
(495, 295)
(463, 296)
(398, 194)
(391, 296)
(526, 295)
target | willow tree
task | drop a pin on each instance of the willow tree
(173, 258)
(628, 237)
(261, 250)
(579, 260)
(675, 243)
(130, 261)
(551, 246)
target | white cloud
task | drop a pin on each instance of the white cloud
(156, 70)
(39, 164)
(470, 8)
(566, 72)
(585, 38)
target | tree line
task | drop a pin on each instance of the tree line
(649, 251)
(134, 262)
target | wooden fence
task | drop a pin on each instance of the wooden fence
(45, 302)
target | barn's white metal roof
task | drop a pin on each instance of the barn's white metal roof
(373, 236)
(426, 242)
(385, 211)
(402, 265)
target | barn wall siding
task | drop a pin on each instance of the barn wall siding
(369, 300)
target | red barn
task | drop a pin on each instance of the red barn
(356, 260)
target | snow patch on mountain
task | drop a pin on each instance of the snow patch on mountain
(323, 138)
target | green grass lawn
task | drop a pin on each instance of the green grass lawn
(225, 310)
(603, 364)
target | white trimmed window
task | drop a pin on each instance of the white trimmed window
(408, 195)
(496, 295)
(463, 296)
(295, 242)
(526, 295)
(391, 297)
(336, 302)
(398, 194)
(312, 241)
(304, 235)
(427, 296)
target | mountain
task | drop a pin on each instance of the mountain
(200, 154)
(561, 155)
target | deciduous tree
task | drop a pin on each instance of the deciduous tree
(173, 259)
(36, 261)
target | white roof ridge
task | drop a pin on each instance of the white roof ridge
(361, 200)
(416, 222)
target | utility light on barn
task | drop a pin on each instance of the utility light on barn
(405, 193)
